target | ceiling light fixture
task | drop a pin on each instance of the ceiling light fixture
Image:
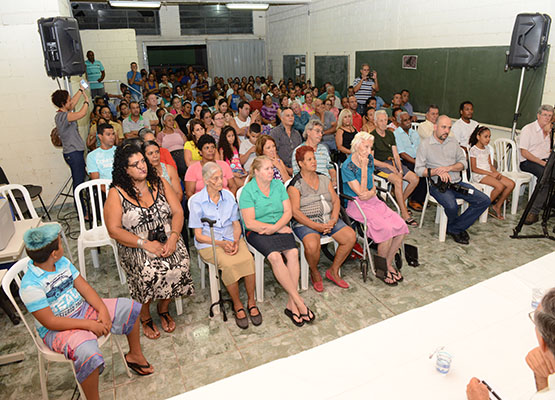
(134, 4)
(247, 6)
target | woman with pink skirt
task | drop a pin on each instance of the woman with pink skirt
(385, 227)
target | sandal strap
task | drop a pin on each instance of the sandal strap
(252, 308)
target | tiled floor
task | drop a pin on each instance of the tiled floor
(203, 350)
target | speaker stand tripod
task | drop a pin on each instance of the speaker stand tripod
(517, 114)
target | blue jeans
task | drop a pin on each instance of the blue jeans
(76, 162)
(478, 203)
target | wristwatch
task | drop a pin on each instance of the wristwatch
(140, 243)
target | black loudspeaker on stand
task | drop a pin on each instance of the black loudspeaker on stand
(528, 46)
(61, 46)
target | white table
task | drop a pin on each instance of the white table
(485, 327)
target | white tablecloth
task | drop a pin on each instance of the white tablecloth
(485, 327)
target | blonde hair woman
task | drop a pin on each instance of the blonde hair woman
(345, 133)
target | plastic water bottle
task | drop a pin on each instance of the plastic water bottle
(537, 295)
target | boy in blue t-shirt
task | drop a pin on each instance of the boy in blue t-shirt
(69, 314)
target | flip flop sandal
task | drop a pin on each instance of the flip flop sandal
(395, 276)
(168, 319)
(411, 222)
(291, 316)
(149, 324)
(383, 275)
(138, 368)
(307, 316)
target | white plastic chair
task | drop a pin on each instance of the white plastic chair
(97, 235)
(258, 262)
(304, 263)
(506, 154)
(7, 191)
(441, 217)
(44, 353)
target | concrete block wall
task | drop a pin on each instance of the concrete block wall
(26, 112)
(116, 49)
(342, 27)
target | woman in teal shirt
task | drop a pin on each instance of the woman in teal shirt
(266, 212)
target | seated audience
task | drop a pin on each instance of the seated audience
(191, 151)
(193, 178)
(407, 141)
(484, 172)
(426, 128)
(313, 139)
(124, 112)
(70, 315)
(286, 137)
(389, 166)
(151, 101)
(405, 94)
(256, 103)
(440, 158)
(219, 124)
(329, 105)
(315, 207)
(266, 212)
(384, 226)
(139, 204)
(269, 111)
(228, 148)
(101, 160)
(368, 119)
(465, 125)
(541, 359)
(535, 146)
(266, 146)
(395, 103)
(134, 121)
(329, 122)
(242, 121)
(166, 171)
(234, 258)
(147, 135)
(247, 148)
(308, 106)
(345, 134)
(206, 117)
(357, 119)
(301, 117)
(394, 123)
(345, 103)
(173, 139)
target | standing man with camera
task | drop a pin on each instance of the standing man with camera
(441, 159)
(363, 86)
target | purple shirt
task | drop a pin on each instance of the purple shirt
(269, 113)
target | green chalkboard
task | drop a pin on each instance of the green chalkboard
(176, 55)
(334, 69)
(289, 67)
(449, 76)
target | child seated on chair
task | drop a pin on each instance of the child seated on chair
(484, 172)
(69, 314)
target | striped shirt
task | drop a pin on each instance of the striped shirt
(323, 160)
(365, 90)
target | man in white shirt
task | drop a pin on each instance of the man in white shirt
(426, 128)
(135, 121)
(535, 147)
(541, 359)
(465, 125)
(242, 121)
(150, 114)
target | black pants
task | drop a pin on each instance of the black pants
(537, 171)
(419, 194)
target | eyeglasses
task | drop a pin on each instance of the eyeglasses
(531, 315)
(136, 164)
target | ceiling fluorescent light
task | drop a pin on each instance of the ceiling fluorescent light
(134, 4)
(247, 6)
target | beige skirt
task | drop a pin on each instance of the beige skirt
(233, 267)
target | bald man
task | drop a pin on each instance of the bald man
(441, 159)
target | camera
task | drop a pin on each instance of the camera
(443, 186)
(158, 234)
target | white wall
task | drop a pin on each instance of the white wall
(342, 27)
(26, 112)
(116, 49)
(171, 32)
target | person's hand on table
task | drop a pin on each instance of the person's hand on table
(476, 390)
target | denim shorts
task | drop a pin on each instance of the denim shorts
(301, 230)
